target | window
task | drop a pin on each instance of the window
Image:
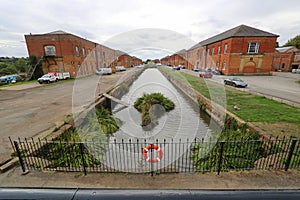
(225, 48)
(85, 68)
(253, 47)
(83, 52)
(224, 65)
(79, 68)
(207, 52)
(219, 50)
(282, 65)
(212, 51)
(77, 51)
(89, 53)
(50, 50)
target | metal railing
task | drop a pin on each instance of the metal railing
(141, 156)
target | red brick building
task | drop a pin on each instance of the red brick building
(124, 60)
(179, 58)
(137, 61)
(241, 50)
(286, 58)
(65, 52)
(165, 60)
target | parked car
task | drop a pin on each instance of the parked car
(104, 71)
(196, 69)
(297, 71)
(120, 68)
(205, 74)
(60, 75)
(55, 74)
(236, 82)
(9, 78)
(216, 72)
(47, 78)
(176, 68)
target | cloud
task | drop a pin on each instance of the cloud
(98, 21)
(150, 40)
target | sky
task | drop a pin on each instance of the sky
(154, 28)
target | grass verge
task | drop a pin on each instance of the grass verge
(252, 108)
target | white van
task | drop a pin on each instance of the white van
(104, 71)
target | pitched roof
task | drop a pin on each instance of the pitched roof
(119, 53)
(181, 52)
(58, 32)
(239, 31)
(287, 49)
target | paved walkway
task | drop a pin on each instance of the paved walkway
(226, 180)
(28, 110)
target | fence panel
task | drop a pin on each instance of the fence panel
(141, 156)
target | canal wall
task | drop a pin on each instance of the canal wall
(214, 110)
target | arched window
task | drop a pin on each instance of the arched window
(77, 51)
(83, 52)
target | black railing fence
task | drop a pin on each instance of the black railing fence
(142, 156)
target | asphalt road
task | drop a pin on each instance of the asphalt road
(27, 111)
(281, 85)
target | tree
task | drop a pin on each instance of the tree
(22, 65)
(7, 69)
(295, 41)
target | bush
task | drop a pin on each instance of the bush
(148, 105)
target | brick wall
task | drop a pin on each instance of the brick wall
(236, 60)
(72, 54)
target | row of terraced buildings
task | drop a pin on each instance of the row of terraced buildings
(60, 51)
(241, 50)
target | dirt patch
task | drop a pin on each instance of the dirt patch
(280, 129)
(22, 86)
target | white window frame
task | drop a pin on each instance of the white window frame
(253, 47)
(225, 48)
(219, 50)
(224, 65)
(50, 50)
(83, 51)
(77, 51)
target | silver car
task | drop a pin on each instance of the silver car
(236, 82)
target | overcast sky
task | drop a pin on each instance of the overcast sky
(103, 21)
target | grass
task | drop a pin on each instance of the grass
(17, 83)
(298, 82)
(65, 151)
(253, 108)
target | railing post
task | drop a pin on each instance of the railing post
(82, 158)
(20, 158)
(220, 157)
(289, 158)
(151, 158)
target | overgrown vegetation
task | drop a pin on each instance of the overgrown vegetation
(66, 151)
(13, 65)
(241, 149)
(152, 106)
